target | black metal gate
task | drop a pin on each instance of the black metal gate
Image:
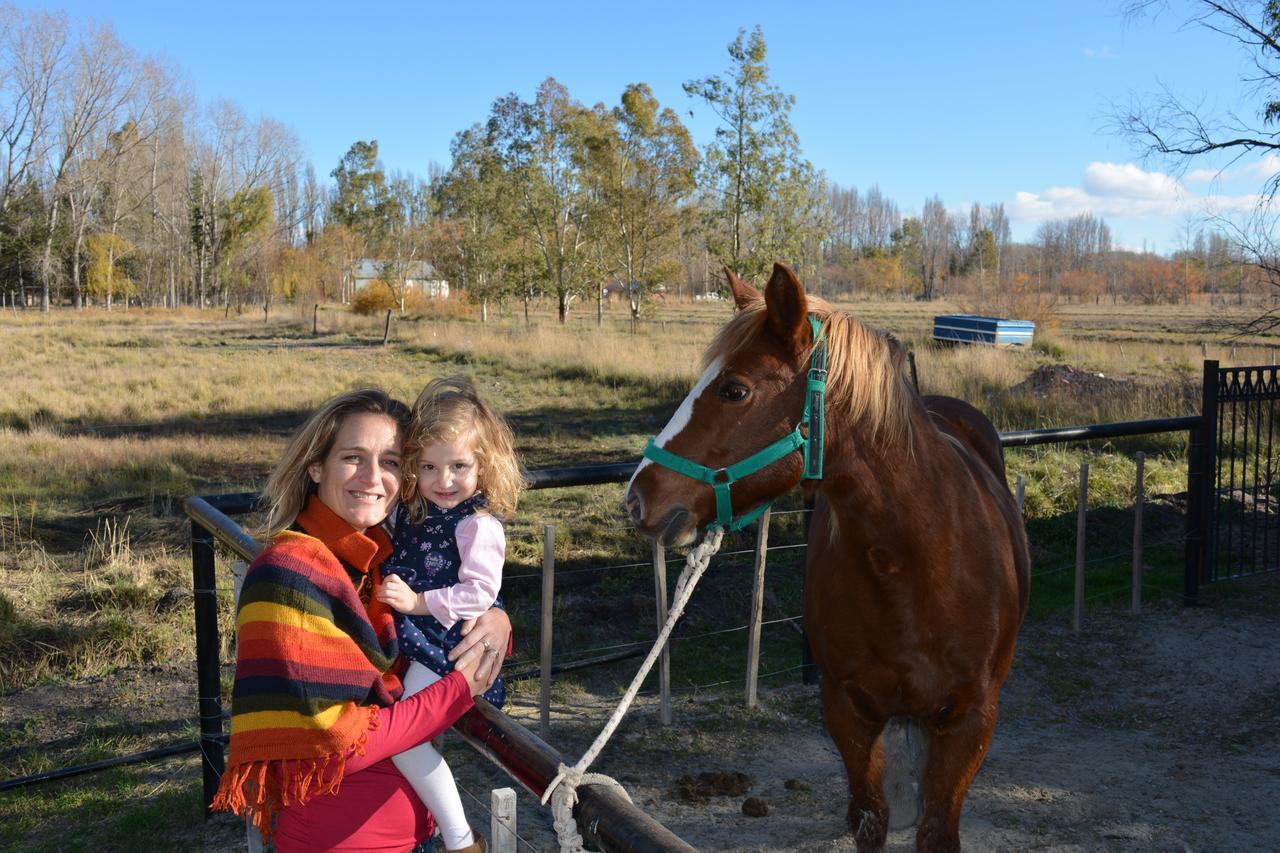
(1236, 508)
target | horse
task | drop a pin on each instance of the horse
(917, 572)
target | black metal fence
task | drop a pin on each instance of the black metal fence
(1237, 516)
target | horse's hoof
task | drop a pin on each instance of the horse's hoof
(869, 829)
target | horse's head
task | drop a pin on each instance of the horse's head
(751, 394)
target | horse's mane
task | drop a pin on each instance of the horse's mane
(865, 379)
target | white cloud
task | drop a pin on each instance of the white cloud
(1203, 176)
(1123, 190)
(1125, 180)
(1263, 169)
(1104, 52)
(1259, 170)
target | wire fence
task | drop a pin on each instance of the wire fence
(586, 539)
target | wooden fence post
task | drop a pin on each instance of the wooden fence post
(664, 662)
(808, 667)
(386, 331)
(1020, 491)
(315, 319)
(757, 610)
(1139, 488)
(1078, 611)
(548, 606)
(502, 822)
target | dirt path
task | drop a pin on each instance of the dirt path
(1157, 732)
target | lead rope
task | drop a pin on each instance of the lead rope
(563, 789)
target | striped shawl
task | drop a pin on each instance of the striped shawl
(314, 665)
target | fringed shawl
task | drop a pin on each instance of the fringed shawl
(313, 668)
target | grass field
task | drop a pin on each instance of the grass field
(110, 419)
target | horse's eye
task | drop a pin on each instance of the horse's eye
(734, 392)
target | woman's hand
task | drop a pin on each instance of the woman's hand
(469, 664)
(486, 637)
(395, 592)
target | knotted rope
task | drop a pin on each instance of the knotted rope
(563, 789)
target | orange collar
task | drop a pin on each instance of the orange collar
(360, 551)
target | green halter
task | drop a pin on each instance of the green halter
(808, 435)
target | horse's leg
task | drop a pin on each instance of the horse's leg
(858, 740)
(957, 748)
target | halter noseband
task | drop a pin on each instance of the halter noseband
(808, 435)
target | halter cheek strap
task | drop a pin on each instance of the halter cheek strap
(808, 435)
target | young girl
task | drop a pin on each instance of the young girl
(460, 476)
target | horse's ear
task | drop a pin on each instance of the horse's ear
(743, 293)
(787, 306)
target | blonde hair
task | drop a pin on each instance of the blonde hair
(447, 410)
(290, 484)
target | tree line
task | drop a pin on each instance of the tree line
(116, 185)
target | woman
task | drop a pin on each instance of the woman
(315, 719)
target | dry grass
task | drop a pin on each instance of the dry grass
(122, 414)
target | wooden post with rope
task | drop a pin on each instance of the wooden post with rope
(757, 610)
(664, 662)
(1139, 498)
(1077, 613)
(548, 607)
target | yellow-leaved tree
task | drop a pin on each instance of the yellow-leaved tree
(107, 278)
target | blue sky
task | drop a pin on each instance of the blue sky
(990, 102)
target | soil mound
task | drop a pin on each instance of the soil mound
(1053, 380)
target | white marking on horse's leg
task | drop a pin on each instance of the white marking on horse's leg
(682, 415)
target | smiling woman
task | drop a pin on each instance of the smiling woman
(360, 475)
(316, 710)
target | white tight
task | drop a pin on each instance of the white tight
(427, 772)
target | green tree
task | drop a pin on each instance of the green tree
(361, 200)
(642, 164)
(765, 198)
(472, 241)
(541, 146)
(247, 218)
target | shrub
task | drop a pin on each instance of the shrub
(373, 299)
(1049, 347)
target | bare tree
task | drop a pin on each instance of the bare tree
(102, 79)
(935, 245)
(34, 47)
(1181, 133)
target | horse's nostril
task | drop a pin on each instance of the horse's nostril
(635, 506)
(676, 528)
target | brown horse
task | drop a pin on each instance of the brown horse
(917, 572)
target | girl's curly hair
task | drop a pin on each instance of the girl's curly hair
(447, 410)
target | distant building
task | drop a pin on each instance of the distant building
(620, 290)
(422, 278)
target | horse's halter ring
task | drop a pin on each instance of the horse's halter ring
(808, 435)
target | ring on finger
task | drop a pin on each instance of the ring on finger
(487, 646)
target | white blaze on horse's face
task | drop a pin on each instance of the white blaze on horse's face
(675, 520)
(682, 416)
